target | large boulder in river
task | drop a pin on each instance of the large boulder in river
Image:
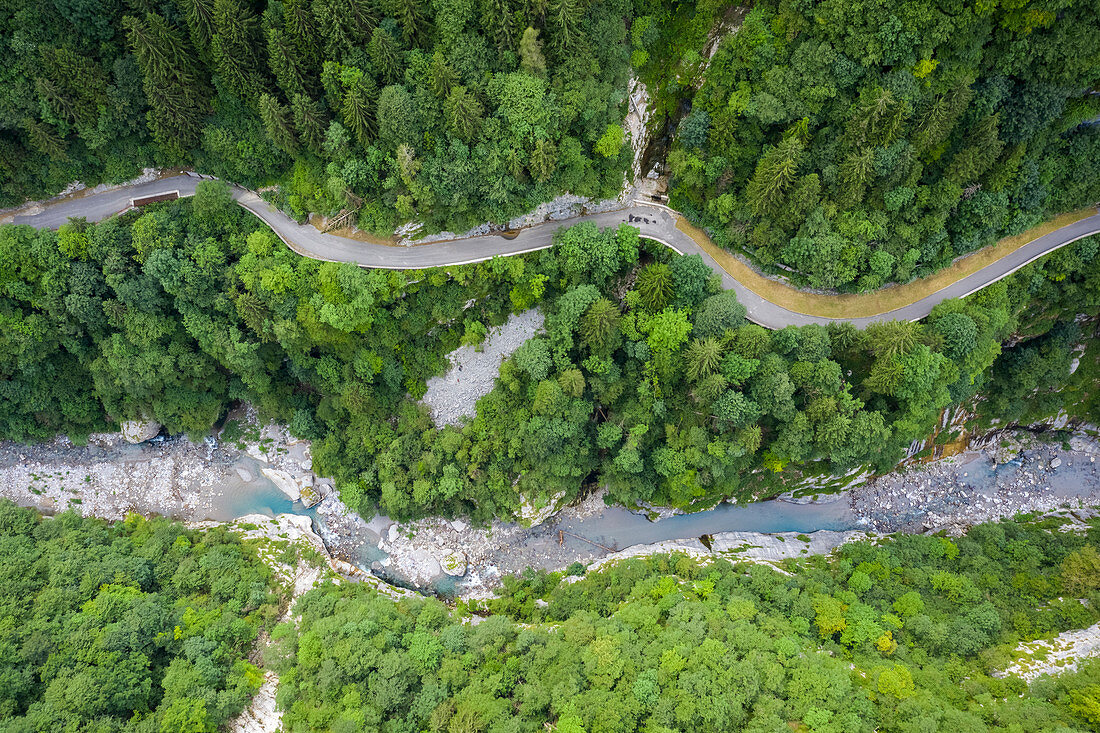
(311, 497)
(139, 431)
(454, 563)
(284, 482)
(533, 511)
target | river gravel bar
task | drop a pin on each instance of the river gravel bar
(110, 477)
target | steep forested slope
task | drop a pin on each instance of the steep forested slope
(857, 143)
(454, 111)
(647, 380)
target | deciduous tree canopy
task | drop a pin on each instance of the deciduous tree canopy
(136, 626)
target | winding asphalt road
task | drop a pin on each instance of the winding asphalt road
(654, 222)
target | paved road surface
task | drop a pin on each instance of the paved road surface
(653, 222)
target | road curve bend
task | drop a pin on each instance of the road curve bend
(654, 222)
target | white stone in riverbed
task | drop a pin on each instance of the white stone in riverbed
(454, 563)
(422, 567)
(458, 525)
(139, 431)
(243, 474)
(103, 440)
(284, 482)
(254, 451)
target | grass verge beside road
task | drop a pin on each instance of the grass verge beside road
(884, 300)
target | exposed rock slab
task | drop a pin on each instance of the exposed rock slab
(474, 370)
(261, 716)
(754, 546)
(1061, 654)
(533, 513)
(284, 482)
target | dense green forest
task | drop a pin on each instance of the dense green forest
(848, 144)
(144, 625)
(453, 111)
(647, 379)
(140, 625)
(896, 636)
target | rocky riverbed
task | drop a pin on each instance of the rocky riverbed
(249, 467)
(109, 477)
(423, 551)
(1001, 476)
(220, 478)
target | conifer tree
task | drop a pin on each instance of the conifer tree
(332, 84)
(535, 12)
(344, 25)
(600, 323)
(655, 286)
(443, 77)
(565, 19)
(200, 23)
(544, 160)
(385, 54)
(300, 26)
(236, 48)
(285, 61)
(497, 20)
(530, 53)
(58, 100)
(855, 173)
(276, 119)
(980, 152)
(44, 138)
(160, 51)
(357, 109)
(703, 357)
(464, 113)
(311, 123)
(414, 24)
(361, 17)
(74, 84)
(877, 119)
(774, 175)
(940, 119)
(178, 97)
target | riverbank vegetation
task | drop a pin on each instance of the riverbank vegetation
(451, 112)
(900, 635)
(648, 379)
(849, 144)
(140, 625)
